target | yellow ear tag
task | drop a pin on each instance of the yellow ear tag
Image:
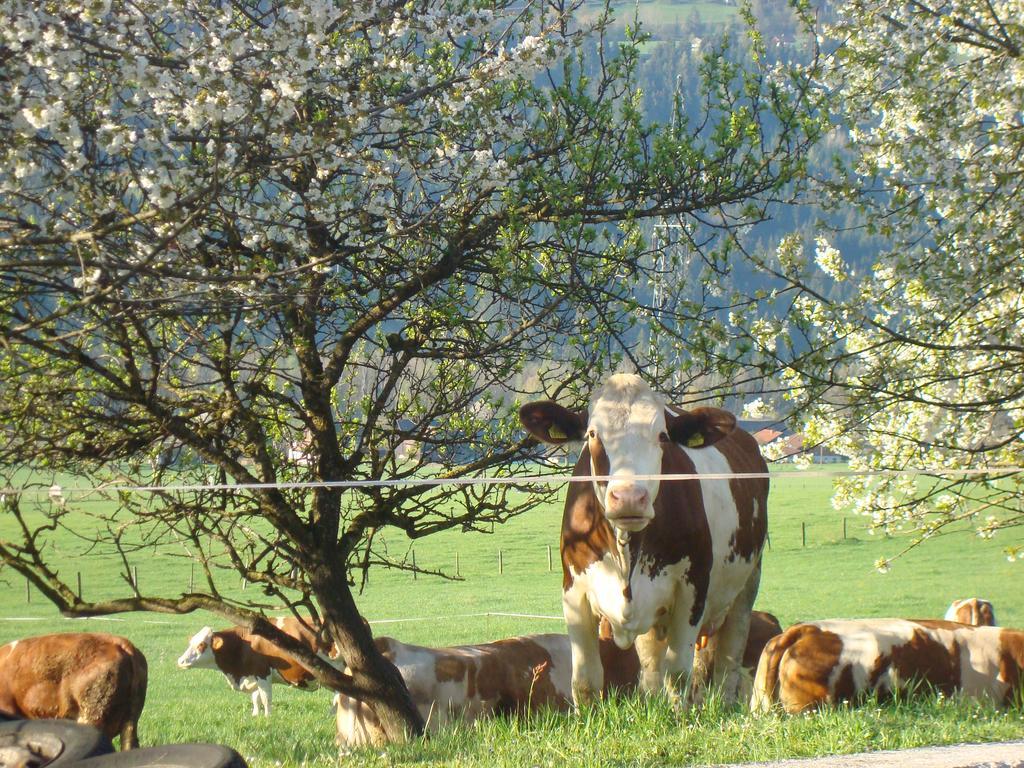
(696, 440)
(555, 432)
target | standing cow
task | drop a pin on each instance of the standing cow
(251, 663)
(93, 678)
(664, 560)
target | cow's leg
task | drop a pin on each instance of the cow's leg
(729, 643)
(264, 689)
(682, 641)
(129, 735)
(650, 649)
(587, 672)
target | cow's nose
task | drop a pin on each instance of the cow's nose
(627, 498)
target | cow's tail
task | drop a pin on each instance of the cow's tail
(766, 679)
(137, 697)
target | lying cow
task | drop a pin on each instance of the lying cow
(663, 560)
(250, 662)
(827, 662)
(972, 610)
(763, 627)
(466, 682)
(93, 678)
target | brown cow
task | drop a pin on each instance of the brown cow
(251, 663)
(972, 610)
(90, 677)
(827, 662)
(763, 627)
(664, 560)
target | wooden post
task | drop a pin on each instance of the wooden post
(135, 578)
(456, 563)
(803, 533)
(501, 564)
(28, 590)
(244, 583)
(549, 558)
(414, 565)
(844, 528)
(79, 585)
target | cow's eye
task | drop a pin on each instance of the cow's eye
(663, 437)
(201, 647)
(591, 433)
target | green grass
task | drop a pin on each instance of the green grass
(654, 14)
(647, 732)
(830, 577)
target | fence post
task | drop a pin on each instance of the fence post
(803, 533)
(28, 591)
(413, 564)
(844, 528)
(501, 564)
(79, 585)
(549, 558)
(135, 578)
(456, 563)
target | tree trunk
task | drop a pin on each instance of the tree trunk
(378, 682)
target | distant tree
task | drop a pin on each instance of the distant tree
(254, 250)
(918, 361)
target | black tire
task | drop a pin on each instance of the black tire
(51, 742)
(169, 756)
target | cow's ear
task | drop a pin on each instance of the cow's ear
(218, 643)
(700, 427)
(551, 423)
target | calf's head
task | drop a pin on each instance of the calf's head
(628, 430)
(200, 650)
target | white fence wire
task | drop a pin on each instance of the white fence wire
(57, 491)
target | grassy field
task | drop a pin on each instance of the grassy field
(656, 15)
(831, 576)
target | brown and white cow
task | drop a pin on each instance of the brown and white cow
(252, 663)
(662, 560)
(93, 678)
(467, 682)
(972, 610)
(828, 662)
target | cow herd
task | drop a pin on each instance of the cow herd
(101, 679)
(662, 536)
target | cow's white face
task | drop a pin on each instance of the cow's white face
(199, 652)
(626, 434)
(627, 429)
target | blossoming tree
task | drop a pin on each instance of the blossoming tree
(915, 360)
(256, 250)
